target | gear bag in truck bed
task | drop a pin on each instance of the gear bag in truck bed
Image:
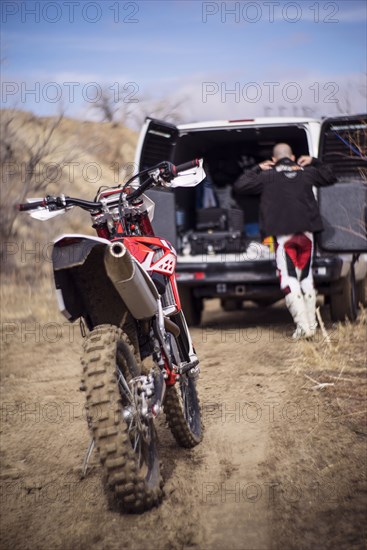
(217, 242)
(221, 219)
(218, 230)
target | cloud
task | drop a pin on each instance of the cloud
(311, 96)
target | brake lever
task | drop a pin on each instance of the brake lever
(156, 175)
(163, 174)
(168, 171)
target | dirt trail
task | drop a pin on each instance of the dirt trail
(226, 493)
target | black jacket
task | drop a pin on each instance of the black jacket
(287, 204)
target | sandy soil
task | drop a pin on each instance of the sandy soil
(281, 465)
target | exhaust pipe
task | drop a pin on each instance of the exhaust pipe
(132, 283)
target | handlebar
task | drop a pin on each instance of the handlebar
(187, 165)
(167, 171)
(30, 205)
(140, 190)
(55, 203)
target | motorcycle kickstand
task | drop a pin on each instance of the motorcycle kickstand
(86, 459)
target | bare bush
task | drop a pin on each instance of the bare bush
(163, 109)
(114, 108)
(28, 158)
(133, 113)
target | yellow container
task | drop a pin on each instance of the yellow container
(269, 241)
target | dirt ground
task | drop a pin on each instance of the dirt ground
(282, 463)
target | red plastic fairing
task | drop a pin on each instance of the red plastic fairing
(144, 250)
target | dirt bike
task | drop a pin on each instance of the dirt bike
(138, 355)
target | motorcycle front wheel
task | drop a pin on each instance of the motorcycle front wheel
(183, 412)
(126, 442)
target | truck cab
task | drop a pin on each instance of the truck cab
(216, 233)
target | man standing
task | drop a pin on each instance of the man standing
(289, 212)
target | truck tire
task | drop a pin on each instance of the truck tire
(231, 304)
(192, 307)
(265, 302)
(343, 303)
(361, 293)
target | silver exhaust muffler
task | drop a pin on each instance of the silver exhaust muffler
(131, 281)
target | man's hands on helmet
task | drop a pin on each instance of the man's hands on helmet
(266, 165)
(304, 160)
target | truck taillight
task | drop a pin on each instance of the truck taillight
(187, 276)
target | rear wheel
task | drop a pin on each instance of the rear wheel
(343, 303)
(125, 440)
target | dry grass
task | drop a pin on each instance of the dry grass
(25, 298)
(337, 369)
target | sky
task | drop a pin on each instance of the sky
(218, 60)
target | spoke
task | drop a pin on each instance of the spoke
(124, 387)
(135, 425)
(135, 435)
(136, 442)
(139, 457)
(121, 380)
(130, 427)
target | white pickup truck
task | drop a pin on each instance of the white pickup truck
(220, 252)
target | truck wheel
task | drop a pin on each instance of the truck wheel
(343, 302)
(231, 304)
(265, 302)
(361, 294)
(192, 307)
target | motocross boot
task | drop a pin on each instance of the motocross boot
(297, 309)
(310, 305)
